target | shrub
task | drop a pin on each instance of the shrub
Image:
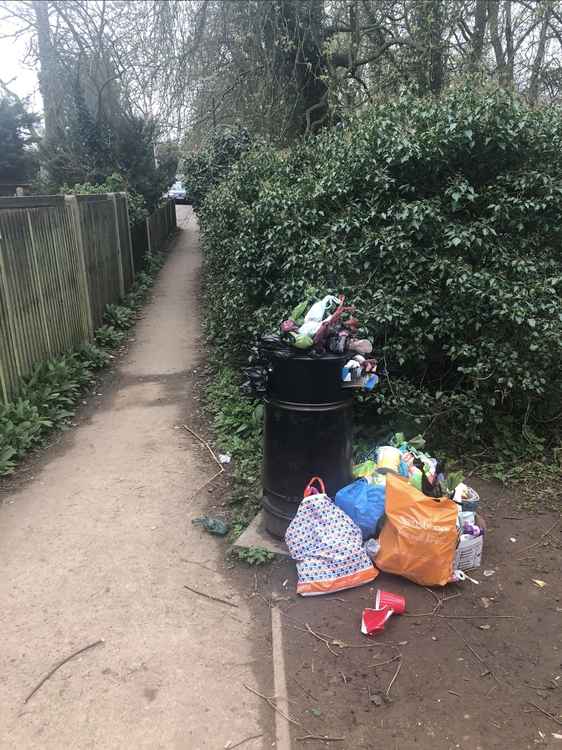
(93, 357)
(207, 167)
(115, 183)
(119, 316)
(109, 337)
(441, 219)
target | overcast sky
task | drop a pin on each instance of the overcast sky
(13, 69)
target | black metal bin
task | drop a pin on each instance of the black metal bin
(308, 432)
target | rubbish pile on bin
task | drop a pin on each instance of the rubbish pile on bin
(328, 326)
(402, 514)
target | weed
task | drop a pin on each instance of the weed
(109, 337)
(153, 263)
(119, 316)
(253, 555)
(93, 357)
(237, 426)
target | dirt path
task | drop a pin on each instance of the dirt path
(96, 545)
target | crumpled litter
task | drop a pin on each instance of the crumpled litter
(215, 526)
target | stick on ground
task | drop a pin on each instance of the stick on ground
(272, 705)
(208, 596)
(319, 638)
(215, 459)
(320, 738)
(391, 683)
(58, 665)
(550, 716)
(543, 536)
(242, 742)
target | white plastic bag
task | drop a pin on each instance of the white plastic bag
(317, 313)
(327, 546)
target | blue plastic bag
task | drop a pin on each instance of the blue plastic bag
(363, 503)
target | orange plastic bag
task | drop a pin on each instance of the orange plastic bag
(420, 535)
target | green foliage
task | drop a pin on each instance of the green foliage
(441, 219)
(17, 160)
(153, 262)
(93, 357)
(108, 337)
(119, 316)
(96, 146)
(115, 183)
(253, 555)
(45, 401)
(207, 167)
(237, 426)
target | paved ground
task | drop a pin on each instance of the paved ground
(95, 546)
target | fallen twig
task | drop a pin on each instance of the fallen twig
(302, 687)
(242, 742)
(216, 460)
(479, 617)
(272, 705)
(388, 661)
(536, 544)
(208, 596)
(391, 683)
(546, 713)
(320, 738)
(325, 641)
(438, 605)
(473, 651)
(59, 665)
(335, 641)
(201, 565)
(453, 693)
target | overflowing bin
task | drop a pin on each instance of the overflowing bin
(308, 432)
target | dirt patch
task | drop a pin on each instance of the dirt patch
(470, 669)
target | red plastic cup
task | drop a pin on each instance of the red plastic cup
(373, 620)
(395, 602)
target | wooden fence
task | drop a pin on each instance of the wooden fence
(62, 260)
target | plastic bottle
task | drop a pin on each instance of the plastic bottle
(372, 548)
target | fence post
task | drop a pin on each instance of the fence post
(129, 231)
(39, 285)
(72, 203)
(119, 248)
(148, 238)
(9, 328)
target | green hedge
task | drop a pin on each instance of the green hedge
(442, 221)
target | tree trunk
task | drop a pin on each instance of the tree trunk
(48, 75)
(538, 62)
(509, 48)
(429, 58)
(477, 39)
(505, 77)
(436, 55)
(303, 65)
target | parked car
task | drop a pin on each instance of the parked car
(178, 193)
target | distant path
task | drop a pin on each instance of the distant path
(92, 548)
